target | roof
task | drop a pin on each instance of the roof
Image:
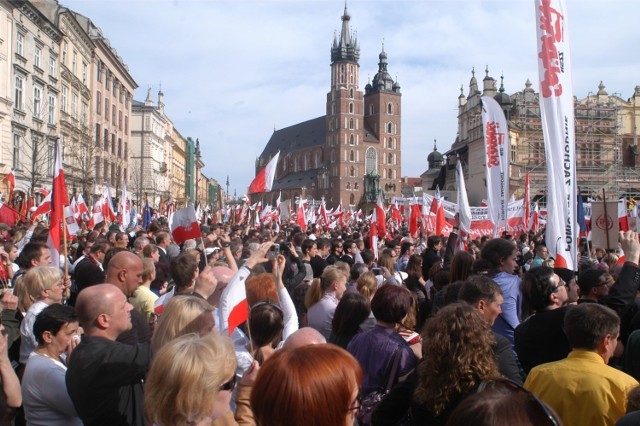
(411, 182)
(302, 135)
(296, 180)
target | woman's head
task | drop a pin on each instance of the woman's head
(183, 315)
(190, 380)
(55, 326)
(501, 254)
(44, 283)
(304, 387)
(386, 261)
(151, 251)
(367, 285)
(266, 322)
(333, 280)
(391, 303)
(261, 287)
(456, 340)
(352, 309)
(461, 265)
(414, 266)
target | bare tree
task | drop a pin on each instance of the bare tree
(82, 152)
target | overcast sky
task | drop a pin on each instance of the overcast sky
(231, 71)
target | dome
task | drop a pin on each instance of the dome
(502, 98)
(435, 156)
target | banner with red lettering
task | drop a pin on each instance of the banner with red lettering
(496, 143)
(556, 108)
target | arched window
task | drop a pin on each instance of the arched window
(389, 108)
(370, 160)
(342, 71)
(352, 172)
(351, 123)
(371, 110)
(390, 159)
(350, 107)
(352, 199)
(296, 163)
(390, 174)
(390, 143)
(351, 93)
(356, 186)
(351, 140)
(352, 156)
(348, 185)
(307, 161)
(390, 128)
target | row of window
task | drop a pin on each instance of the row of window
(109, 172)
(111, 83)
(22, 146)
(108, 142)
(121, 121)
(39, 104)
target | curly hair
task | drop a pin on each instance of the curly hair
(457, 356)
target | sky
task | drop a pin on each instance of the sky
(233, 71)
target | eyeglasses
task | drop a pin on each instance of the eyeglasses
(561, 283)
(356, 404)
(543, 409)
(230, 385)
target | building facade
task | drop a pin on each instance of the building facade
(351, 154)
(606, 143)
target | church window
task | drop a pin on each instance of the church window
(307, 161)
(351, 139)
(350, 107)
(390, 128)
(351, 123)
(390, 143)
(342, 71)
(352, 172)
(352, 156)
(356, 186)
(390, 174)
(390, 159)
(371, 109)
(389, 108)
(348, 186)
(370, 160)
(333, 156)
(351, 93)
(318, 159)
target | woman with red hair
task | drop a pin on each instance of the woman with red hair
(304, 387)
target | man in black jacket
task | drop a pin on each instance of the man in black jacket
(431, 255)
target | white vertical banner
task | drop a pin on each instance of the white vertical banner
(556, 108)
(496, 143)
(464, 210)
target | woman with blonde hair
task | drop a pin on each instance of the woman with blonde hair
(44, 285)
(367, 285)
(327, 293)
(183, 315)
(303, 387)
(143, 298)
(457, 359)
(190, 381)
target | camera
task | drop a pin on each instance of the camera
(274, 250)
(376, 271)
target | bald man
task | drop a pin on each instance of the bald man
(303, 337)
(125, 272)
(104, 377)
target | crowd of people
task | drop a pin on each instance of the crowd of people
(275, 327)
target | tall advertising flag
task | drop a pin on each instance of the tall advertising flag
(496, 142)
(464, 211)
(527, 200)
(556, 108)
(59, 199)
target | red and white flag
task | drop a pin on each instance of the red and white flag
(184, 225)
(300, 215)
(558, 129)
(381, 220)
(43, 208)
(108, 212)
(496, 143)
(82, 206)
(437, 209)
(59, 199)
(263, 181)
(125, 208)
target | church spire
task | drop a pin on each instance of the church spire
(346, 48)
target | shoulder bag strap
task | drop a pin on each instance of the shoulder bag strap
(394, 368)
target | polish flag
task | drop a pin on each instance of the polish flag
(236, 301)
(125, 208)
(59, 199)
(96, 214)
(381, 220)
(438, 209)
(300, 215)
(82, 206)
(43, 208)
(373, 236)
(108, 212)
(263, 181)
(414, 219)
(184, 225)
(70, 220)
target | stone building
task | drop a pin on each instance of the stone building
(606, 142)
(352, 153)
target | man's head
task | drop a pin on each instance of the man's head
(594, 283)
(542, 251)
(484, 294)
(434, 242)
(592, 327)
(163, 239)
(184, 271)
(98, 251)
(125, 272)
(337, 246)
(349, 247)
(103, 311)
(407, 248)
(324, 247)
(303, 337)
(140, 243)
(34, 254)
(542, 289)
